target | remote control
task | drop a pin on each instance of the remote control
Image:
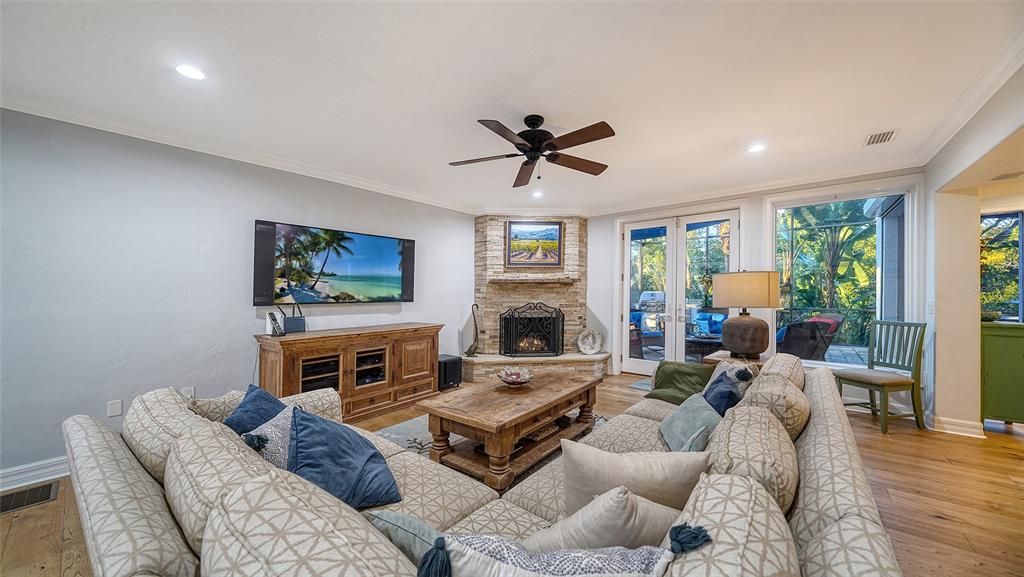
(278, 331)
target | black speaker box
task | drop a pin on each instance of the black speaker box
(449, 371)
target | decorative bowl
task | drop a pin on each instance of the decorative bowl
(515, 376)
(991, 316)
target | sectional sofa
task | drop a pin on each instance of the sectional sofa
(177, 494)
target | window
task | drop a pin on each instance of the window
(841, 266)
(707, 253)
(1001, 266)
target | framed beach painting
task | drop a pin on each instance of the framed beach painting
(533, 243)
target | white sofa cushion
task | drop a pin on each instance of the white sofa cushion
(204, 464)
(663, 477)
(751, 442)
(125, 521)
(501, 517)
(153, 423)
(782, 399)
(280, 525)
(749, 534)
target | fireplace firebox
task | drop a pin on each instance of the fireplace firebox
(532, 330)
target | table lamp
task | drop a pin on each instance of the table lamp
(744, 336)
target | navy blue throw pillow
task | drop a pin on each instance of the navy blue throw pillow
(723, 393)
(340, 461)
(256, 408)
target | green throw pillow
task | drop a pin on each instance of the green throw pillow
(675, 382)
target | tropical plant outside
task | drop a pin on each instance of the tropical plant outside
(318, 265)
(1000, 264)
(826, 258)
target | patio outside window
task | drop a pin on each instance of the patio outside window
(841, 266)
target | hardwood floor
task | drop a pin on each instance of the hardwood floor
(953, 506)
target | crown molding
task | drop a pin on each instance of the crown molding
(170, 138)
(771, 187)
(989, 80)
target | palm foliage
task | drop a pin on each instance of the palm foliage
(1000, 263)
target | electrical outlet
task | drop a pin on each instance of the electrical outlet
(189, 392)
(114, 408)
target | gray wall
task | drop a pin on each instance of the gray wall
(127, 266)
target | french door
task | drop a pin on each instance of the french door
(667, 311)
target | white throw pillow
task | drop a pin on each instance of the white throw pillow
(617, 518)
(271, 439)
(663, 477)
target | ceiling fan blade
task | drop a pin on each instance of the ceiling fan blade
(576, 163)
(581, 136)
(525, 172)
(484, 159)
(504, 132)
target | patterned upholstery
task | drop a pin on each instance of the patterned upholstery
(322, 402)
(788, 366)
(541, 493)
(209, 461)
(627, 434)
(500, 517)
(434, 493)
(749, 535)
(218, 408)
(125, 520)
(788, 403)
(386, 447)
(654, 409)
(751, 442)
(851, 546)
(279, 525)
(832, 480)
(153, 422)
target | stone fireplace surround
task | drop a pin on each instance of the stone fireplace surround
(498, 288)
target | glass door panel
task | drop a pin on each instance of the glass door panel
(649, 249)
(706, 249)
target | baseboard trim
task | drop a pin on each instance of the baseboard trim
(958, 427)
(33, 473)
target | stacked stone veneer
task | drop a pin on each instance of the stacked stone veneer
(498, 288)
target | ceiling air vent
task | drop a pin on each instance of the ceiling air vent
(1009, 176)
(880, 137)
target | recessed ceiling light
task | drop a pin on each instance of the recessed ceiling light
(537, 194)
(189, 71)
(757, 147)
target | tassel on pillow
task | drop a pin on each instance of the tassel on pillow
(435, 563)
(685, 538)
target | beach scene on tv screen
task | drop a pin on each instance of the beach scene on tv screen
(319, 265)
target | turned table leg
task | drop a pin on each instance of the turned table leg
(440, 445)
(499, 453)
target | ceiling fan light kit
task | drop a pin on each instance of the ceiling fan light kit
(535, 143)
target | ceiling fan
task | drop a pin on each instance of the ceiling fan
(535, 143)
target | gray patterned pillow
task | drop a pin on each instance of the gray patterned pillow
(271, 439)
(494, 555)
(784, 400)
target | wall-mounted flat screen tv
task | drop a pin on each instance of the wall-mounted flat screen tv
(309, 265)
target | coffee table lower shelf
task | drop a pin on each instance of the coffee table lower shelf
(464, 457)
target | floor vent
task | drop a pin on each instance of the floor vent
(27, 497)
(879, 138)
(1008, 176)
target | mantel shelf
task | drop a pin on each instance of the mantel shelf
(534, 278)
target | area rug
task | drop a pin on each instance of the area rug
(414, 434)
(642, 384)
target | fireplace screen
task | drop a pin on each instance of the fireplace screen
(532, 330)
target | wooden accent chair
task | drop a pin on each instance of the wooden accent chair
(893, 345)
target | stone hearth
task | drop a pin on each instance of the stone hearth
(475, 369)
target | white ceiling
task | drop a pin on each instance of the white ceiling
(384, 95)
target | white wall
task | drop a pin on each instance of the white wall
(127, 266)
(953, 355)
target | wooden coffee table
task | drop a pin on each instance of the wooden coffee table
(516, 425)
